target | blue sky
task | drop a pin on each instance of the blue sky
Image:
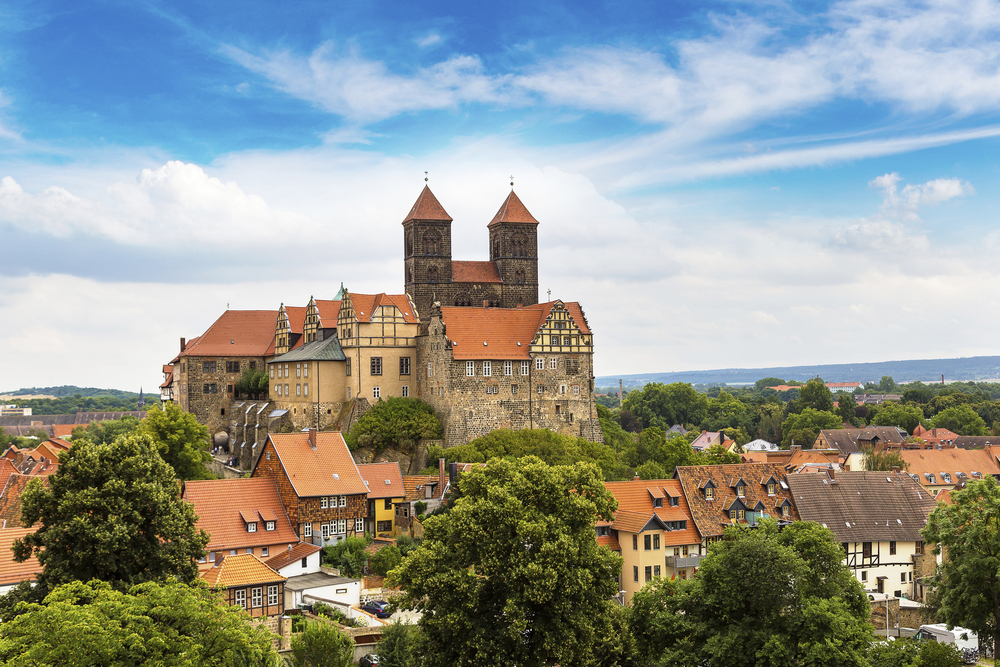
(719, 184)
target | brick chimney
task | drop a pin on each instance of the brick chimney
(183, 343)
(895, 469)
(636, 478)
(486, 303)
(312, 438)
(832, 473)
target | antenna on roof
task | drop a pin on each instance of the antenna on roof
(549, 292)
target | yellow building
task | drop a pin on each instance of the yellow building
(385, 491)
(310, 382)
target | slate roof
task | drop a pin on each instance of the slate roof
(328, 470)
(289, 556)
(366, 304)
(975, 441)
(512, 210)
(427, 207)
(464, 271)
(952, 461)
(384, 480)
(12, 572)
(635, 508)
(860, 506)
(241, 570)
(219, 503)
(237, 333)
(710, 516)
(327, 349)
(849, 441)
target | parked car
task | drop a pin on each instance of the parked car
(966, 640)
(378, 607)
(368, 660)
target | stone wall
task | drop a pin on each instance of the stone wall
(211, 408)
(251, 423)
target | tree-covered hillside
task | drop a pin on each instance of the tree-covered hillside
(71, 399)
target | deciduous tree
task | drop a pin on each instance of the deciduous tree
(181, 440)
(663, 405)
(906, 417)
(803, 428)
(322, 645)
(961, 419)
(395, 422)
(814, 394)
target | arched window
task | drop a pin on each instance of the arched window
(409, 275)
(519, 277)
(409, 244)
(496, 247)
(432, 243)
(432, 274)
(520, 242)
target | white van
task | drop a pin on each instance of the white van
(965, 639)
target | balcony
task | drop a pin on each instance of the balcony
(684, 561)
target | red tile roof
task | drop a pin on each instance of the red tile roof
(241, 570)
(463, 271)
(289, 556)
(500, 328)
(219, 502)
(10, 498)
(384, 479)
(952, 461)
(366, 304)
(427, 207)
(512, 210)
(237, 333)
(63, 430)
(635, 508)
(10, 571)
(327, 311)
(412, 482)
(327, 470)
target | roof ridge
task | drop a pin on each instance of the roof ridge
(427, 207)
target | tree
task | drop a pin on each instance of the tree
(906, 417)
(385, 560)
(322, 645)
(111, 512)
(815, 395)
(845, 407)
(348, 555)
(771, 416)
(663, 405)
(181, 440)
(92, 624)
(725, 411)
(395, 422)
(803, 428)
(882, 459)
(887, 385)
(399, 645)
(961, 419)
(768, 382)
(252, 382)
(513, 575)
(103, 432)
(761, 597)
(968, 580)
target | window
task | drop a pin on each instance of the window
(298, 390)
(305, 562)
(305, 370)
(470, 368)
(635, 543)
(677, 551)
(263, 551)
(674, 501)
(307, 530)
(918, 548)
(232, 367)
(404, 365)
(325, 529)
(405, 391)
(513, 389)
(487, 369)
(211, 557)
(343, 501)
(732, 514)
(256, 596)
(359, 525)
(322, 503)
(562, 389)
(249, 550)
(347, 367)
(741, 491)
(525, 367)
(208, 367)
(684, 549)
(649, 573)
(555, 340)
(742, 515)
(252, 527)
(286, 370)
(709, 493)
(682, 573)
(305, 389)
(656, 571)
(864, 575)
(902, 577)
(892, 548)
(656, 541)
(565, 340)
(269, 525)
(540, 389)
(576, 390)
(508, 368)
(657, 502)
(376, 366)
(785, 511)
(272, 372)
(241, 598)
(286, 390)
(539, 364)
(253, 365)
(866, 549)
(635, 576)
(272, 595)
(298, 370)
(646, 542)
(211, 388)
(770, 488)
(342, 526)
(553, 363)
(376, 392)
(430, 369)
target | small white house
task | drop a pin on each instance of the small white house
(302, 558)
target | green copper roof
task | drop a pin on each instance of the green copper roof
(340, 294)
(318, 350)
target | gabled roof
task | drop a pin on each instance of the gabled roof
(327, 311)
(12, 572)
(10, 498)
(427, 207)
(327, 349)
(415, 485)
(289, 556)
(327, 470)
(463, 271)
(365, 305)
(296, 317)
(241, 570)
(860, 506)
(219, 503)
(512, 210)
(952, 461)
(237, 333)
(64, 430)
(975, 441)
(635, 508)
(384, 480)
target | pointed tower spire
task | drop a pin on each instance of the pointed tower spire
(427, 207)
(340, 294)
(512, 210)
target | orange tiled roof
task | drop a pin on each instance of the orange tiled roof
(366, 304)
(411, 482)
(328, 470)
(609, 541)
(64, 430)
(384, 480)
(10, 571)
(512, 210)
(296, 318)
(237, 333)
(952, 461)
(427, 207)
(463, 271)
(241, 570)
(289, 556)
(10, 498)
(327, 311)
(635, 508)
(218, 502)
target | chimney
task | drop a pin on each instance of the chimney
(218, 561)
(452, 473)
(312, 438)
(636, 478)
(895, 469)
(183, 343)
(441, 476)
(486, 303)
(832, 473)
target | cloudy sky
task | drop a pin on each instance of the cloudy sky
(718, 183)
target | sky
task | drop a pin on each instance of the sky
(719, 184)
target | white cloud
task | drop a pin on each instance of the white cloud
(432, 39)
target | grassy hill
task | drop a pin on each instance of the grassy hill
(70, 399)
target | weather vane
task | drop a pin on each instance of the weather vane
(425, 177)
(512, 181)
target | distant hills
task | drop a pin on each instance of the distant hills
(925, 370)
(70, 390)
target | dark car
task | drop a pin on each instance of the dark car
(378, 607)
(368, 660)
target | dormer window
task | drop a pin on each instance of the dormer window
(732, 514)
(784, 510)
(251, 526)
(741, 491)
(674, 501)
(709, 493)
(657, 502)
(742, 515)
(269, 525)
(771, 488)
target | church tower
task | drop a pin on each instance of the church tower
(427, 253)
(514, 248)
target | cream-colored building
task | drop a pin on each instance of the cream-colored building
(378, 335)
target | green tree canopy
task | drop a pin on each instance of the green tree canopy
(322, 645)
(103, 432)
(663, 405)
(768, 382)
(961, 419)
(94, 625)
(182, 441)
(761, 597)
(395, 422)
(399, 645)
(513, 575)
(803, 428)
(968, 580)
(815, 395)
(111, 512)
(882, 459)
(906, 417)
(845, 407)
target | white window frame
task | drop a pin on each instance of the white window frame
(376, 392)
(405, 391)
(241, 597)
(298, 370)
(525, 367)
(576, 390)
(553, 363)
(268, 525)
(325, 531)
(430, 369)
(540, 363)
(307, 529)
(298, 389)
(305, 389)
(305, 370)
(343, 501)
(272, 595)
(487, 369)
(359, 525)
(470, 369)
(257, 597)
(508, 368)
(286, 391)
(251, 526)
(322, 503)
